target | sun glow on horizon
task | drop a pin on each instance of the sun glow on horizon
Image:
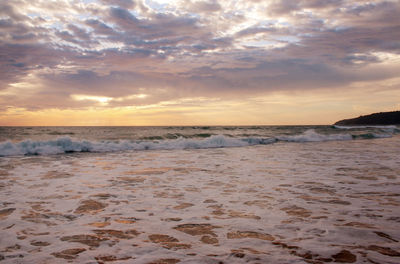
(105, 100)
(273, 109)
(100, 99)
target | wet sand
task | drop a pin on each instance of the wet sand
(335, 202)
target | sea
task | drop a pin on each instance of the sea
(200, 194)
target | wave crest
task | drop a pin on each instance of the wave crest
(68, 144)
(312, 136)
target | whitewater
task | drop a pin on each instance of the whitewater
(60, 143)
(256, 194)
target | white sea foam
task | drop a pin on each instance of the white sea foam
(276, 204)
(360, 127)
(312, 136)
(374, 135)
(68, 144)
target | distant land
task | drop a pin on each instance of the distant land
(383, 118)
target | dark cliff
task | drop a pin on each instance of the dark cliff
(386, 118)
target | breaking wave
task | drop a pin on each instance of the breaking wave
(366, 126)
(312, 136)
(69, 145)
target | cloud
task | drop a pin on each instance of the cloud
(203, 6)
(280, 7)
(7, 9)
(229, 49)
(100, 28)
(123, 18)
(122, 3)
(20, 59)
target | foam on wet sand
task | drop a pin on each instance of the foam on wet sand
(282, 203)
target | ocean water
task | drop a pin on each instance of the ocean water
(15, 141)
(262, 194)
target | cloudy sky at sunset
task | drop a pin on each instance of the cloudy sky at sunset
(177, 62)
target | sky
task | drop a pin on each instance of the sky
(206, 62)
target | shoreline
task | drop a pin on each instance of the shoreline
(246, 205)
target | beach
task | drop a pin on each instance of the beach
(287, 202)
(199, 131)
